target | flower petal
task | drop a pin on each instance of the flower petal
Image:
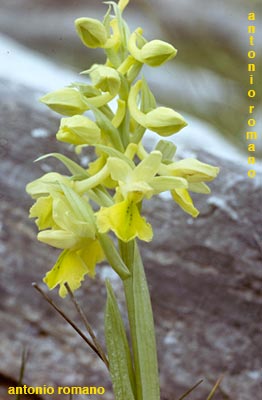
(91, 254)
(119, 169)
(193, 170)
(148, 167)
(69, 268)
(58, 238)
(182, 197)
(165, 183)
(42, 209)
(125, 221)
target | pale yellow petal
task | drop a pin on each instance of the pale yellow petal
(42, 210)
(183, 199)
(125, 221)
(69, 268)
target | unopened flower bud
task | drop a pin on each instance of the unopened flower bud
(91, 31)
(153, 53)
(67, 101)
(58, 238)
(78, 130)
(164, 121)
(105, 78)
(157, 52)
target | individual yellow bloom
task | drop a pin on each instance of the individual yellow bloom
(125, 221)
(195, 173)
(162, 120)
(153, 53)
(182, 197)
(157, 52)
(91, 32)
(138, 182)
(67, 101)
(134, 182)
(73, 265)
(78, 130)
(105, 78)
(60, 208)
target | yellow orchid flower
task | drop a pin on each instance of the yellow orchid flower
(196, 173)
(162, 120)
(78, 130)
(105, 78)
(72, 228)
(134, 184)
(153, 53)
(141, 181)
(134, 181)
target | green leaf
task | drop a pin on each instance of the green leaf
(146, 343)
(72, 166)
(120, 362)
(141, 325)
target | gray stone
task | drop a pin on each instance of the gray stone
(204, 275)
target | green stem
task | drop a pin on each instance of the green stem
(141, 325)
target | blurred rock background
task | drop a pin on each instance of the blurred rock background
(205, 275)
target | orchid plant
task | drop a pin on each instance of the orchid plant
(96, 214)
